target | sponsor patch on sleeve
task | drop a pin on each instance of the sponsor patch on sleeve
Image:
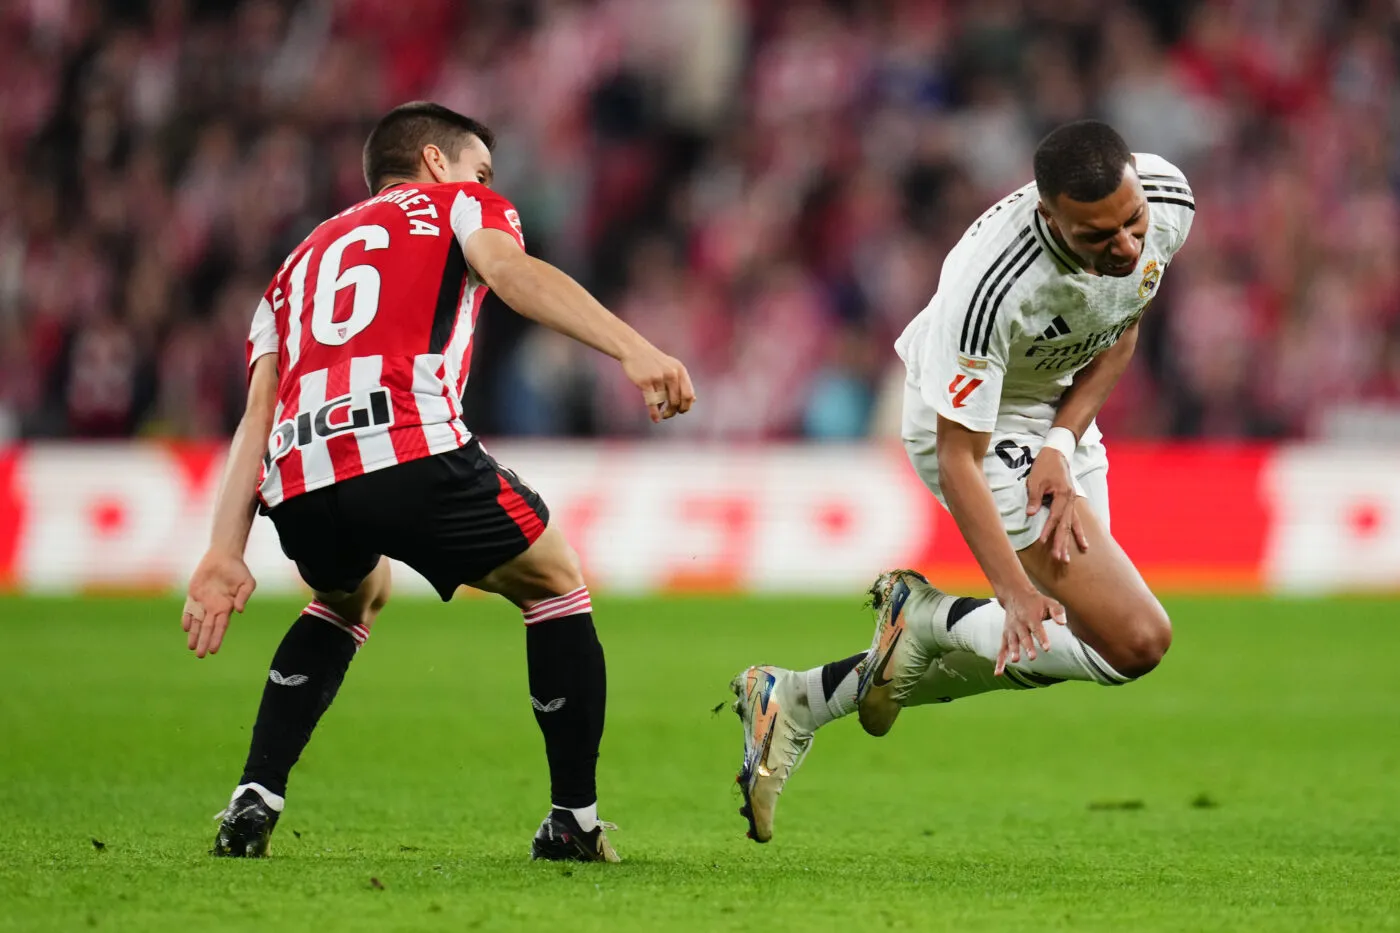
(961, 387)
(968, 362)
(513, 218)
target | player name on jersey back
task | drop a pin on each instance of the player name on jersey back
(1016, 316)
(372, 318)
(423, 216)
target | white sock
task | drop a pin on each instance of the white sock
(842, 701)
(269, 798)
(959, 674)
(587, 816)
(979, 632)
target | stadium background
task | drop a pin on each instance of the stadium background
(766, 188)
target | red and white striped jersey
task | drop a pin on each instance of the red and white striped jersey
(372, 319)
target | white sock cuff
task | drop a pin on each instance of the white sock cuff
(926, 619)
(587, 816)
(962, 636)
(842, 701)
(816, 698)
(274, 801)
(321, 611)
(572, 603)
(979, 632)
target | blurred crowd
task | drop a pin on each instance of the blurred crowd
(767, 188)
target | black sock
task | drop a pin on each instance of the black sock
(962, 606)
(569, 690)
(836, 671)
(306, 673)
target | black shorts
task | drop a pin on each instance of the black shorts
(453, 517)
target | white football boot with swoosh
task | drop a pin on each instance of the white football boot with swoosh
(777, 735)
(898, 659)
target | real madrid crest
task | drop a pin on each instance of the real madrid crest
(1151, 275)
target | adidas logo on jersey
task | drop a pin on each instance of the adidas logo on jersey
(1057, 328)
(1073, 355)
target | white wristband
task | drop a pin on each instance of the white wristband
(1063, 440)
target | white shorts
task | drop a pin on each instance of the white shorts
(1008, 462)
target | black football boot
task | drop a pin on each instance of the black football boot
(559, 839)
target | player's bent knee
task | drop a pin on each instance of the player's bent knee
(559, 587)
(361, 607)
(548, 569)
(564, 578)
(376, 605)
(1144, 643)
(571, 573)
(381, 586)
(562, 573)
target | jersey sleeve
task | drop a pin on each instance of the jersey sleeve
(960, 382)
(476, 207)
(963, 352)
(262, 336)
(1169, 198)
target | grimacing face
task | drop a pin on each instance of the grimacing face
(1107, 235)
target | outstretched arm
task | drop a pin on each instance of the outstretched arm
(544, 294)
(222, 583)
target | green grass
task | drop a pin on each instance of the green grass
(1252, 783)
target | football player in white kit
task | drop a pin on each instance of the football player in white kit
(1035, 318)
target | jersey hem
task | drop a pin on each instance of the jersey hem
(374, 466)
(259, 353)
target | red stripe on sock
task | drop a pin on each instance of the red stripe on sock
(546, 604)
(577, 611)
(557, 612)
(321, 611)
(570, 604)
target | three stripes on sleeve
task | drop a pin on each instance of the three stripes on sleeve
(1016, 258)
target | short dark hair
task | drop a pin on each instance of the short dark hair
(397, 140)
(1083, 161)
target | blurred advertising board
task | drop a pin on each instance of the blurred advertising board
(762, 518)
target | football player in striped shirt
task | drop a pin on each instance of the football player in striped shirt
(1035, 318)
(353, 444)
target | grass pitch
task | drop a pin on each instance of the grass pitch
(1251, 783)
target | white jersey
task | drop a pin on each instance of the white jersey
(1015, 316)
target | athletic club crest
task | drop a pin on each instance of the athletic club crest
(1151, 275)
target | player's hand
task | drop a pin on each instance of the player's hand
(1050, 480)
(1025, 626)
(220, 586)
(665, 384)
